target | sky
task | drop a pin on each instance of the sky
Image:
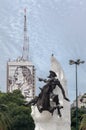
(54, 26)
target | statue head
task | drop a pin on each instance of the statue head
(52, 74)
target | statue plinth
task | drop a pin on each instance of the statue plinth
(47, 121)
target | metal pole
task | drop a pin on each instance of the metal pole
(77, 62)
(76, 100)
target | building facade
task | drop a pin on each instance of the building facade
(21, 75)
(81, 101)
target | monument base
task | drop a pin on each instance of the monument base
(47, 121)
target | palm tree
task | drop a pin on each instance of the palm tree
(83, 123)
(5, 122)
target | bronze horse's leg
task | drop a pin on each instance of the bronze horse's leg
(32, 102)
(55, 99)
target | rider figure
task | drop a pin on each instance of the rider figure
(54, 81)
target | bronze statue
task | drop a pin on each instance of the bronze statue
(46, 97)
(54, 81)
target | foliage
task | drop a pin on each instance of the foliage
(5, 122)
(83, 123)
(81, 113)
(19, 115)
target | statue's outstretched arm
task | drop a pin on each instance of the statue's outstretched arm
(44, 80)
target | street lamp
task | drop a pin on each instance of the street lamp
(77, 62)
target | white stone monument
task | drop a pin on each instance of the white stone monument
(47, 121)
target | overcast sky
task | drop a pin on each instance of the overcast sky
(54, 26)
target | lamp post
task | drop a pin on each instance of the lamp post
(77, 62)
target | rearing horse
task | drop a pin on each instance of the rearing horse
(43, 99)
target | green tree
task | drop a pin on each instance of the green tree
(22, 119)
(83, 123)
(81, 111)
(5, 122)
(20, 115)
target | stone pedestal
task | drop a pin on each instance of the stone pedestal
(46, 121)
